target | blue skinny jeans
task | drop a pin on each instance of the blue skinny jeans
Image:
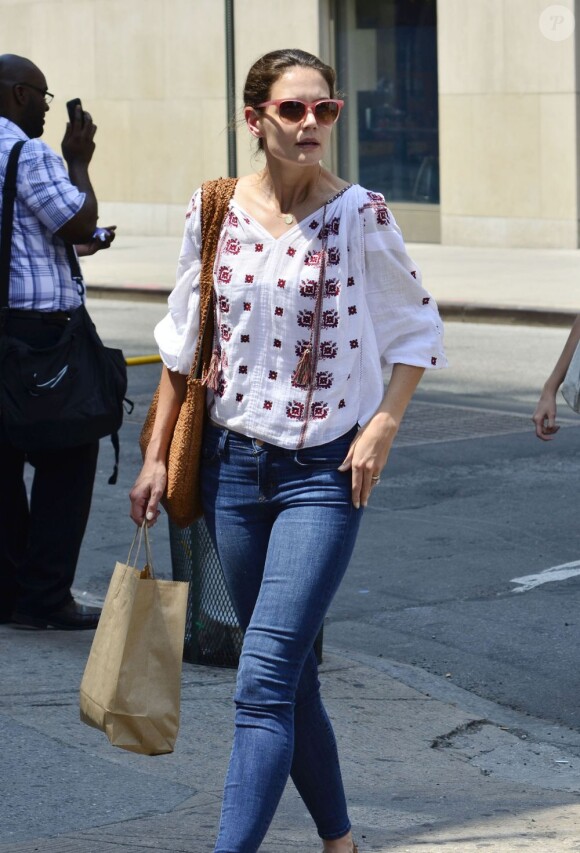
(284, 527)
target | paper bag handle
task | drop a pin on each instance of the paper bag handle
(141, 533)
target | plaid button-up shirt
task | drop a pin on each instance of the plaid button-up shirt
(40, 275)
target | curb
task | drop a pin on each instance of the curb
(463, 312)
(514, 314)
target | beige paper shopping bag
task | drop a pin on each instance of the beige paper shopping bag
(131, 684)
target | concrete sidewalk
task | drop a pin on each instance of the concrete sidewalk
(427, 766)
(513, 285)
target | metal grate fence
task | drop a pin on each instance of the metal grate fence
(212, 632)
(213, 636)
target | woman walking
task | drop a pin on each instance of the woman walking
(313, 289)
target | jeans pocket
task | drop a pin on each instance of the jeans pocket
(210, 446)
(325, 457)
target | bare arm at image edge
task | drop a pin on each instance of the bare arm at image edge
(545, 415)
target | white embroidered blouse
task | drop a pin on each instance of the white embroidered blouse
(374, 311)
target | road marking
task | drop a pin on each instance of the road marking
(556, 573)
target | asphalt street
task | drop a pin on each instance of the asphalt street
(471, 501)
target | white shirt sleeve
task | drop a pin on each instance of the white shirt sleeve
(404, 315)
(177, 333)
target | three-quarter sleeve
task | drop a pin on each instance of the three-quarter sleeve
(404, 315)
(177, 333)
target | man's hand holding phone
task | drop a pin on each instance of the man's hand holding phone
(78, 145)
(102, 239)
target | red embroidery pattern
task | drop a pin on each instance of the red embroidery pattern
(332, 287)
(305, 318)
(267, 404)
(224, 304)
(319, 411)
(245, 339)
(233, 246)
(342, 404)
(350, 282)
(328, 349)
(378, 204)
(232, 219)
(221, 387)
(243, 368)
(354, 344)
(277, 343)
(291, 251)
(331, 227)
(273, 374)
(330, 319)
(247, 306)
(278, 311)
(259, 247)
(225, 274)
(314, 224)
(382, 215)
(426, 300)
(249, 279)
(295, 410)
(312, 259)
(352, 310)
(333, 255)
(282, 283)
(433, 360)
(239, 398)
(414, 273)
(225, 332)
(309, 288)
(324, 379)
(300, 347)
(191, 208)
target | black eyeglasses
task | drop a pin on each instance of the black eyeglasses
(48, 97)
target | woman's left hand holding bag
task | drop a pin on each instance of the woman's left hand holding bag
(147, 492)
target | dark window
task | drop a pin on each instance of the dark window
(387, 64)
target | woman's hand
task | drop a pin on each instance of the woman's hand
(147, 492)
(152, 481)
(545, 415)
(368, 454)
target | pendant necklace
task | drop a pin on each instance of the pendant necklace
(289, 218)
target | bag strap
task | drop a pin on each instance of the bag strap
(8, 199)
(75, 269)
(215, 198)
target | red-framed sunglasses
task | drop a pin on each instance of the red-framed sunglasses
(293, 110)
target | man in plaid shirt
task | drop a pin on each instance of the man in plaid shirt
(40, 541)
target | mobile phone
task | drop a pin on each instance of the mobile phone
(71, 108)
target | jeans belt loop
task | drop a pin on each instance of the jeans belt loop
(223, 441)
